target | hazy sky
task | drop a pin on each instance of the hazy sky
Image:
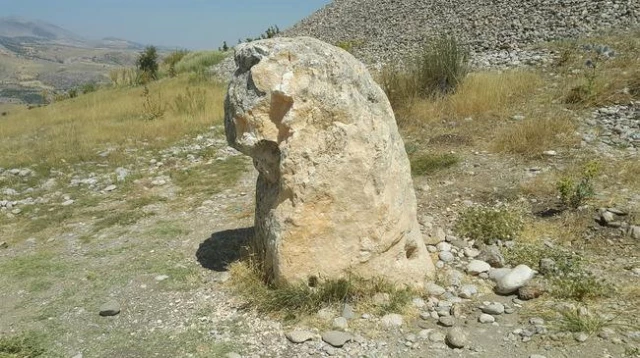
(196, 24)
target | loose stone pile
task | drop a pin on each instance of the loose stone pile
(382, 29)
(615, 126)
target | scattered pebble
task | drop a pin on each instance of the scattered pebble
(347, 311)
(336, 338)
(456, 337)
(446, 256)
(436, 336)
(299, 336)
(514, 279)
(110, 308)
(340, 323)
(493, 308)
(467, 291)
(476, 267)
(486, 318)
(433, 289)
(447, 321)
(580, 336)
(392, 320)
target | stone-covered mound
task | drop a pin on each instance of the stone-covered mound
(379, 30)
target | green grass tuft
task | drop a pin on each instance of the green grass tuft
(573, 321)
(26, 345)
(424, 164)
(298, 299)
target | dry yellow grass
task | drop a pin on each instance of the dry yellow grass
(482, 95)
(78, 129)
(532, 136)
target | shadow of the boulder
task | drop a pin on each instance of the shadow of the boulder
(223, 248)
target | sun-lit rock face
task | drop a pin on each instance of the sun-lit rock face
(334, 191)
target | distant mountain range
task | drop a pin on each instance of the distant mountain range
(36, 56)
(17, 30)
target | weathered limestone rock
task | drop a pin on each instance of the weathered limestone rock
(334, 191)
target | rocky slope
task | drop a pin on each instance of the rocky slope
(380, 30)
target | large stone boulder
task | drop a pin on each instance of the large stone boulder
(334, 192)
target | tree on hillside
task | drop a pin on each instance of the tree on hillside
(148, 63)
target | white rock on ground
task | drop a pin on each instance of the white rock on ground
(493, 308)
(486, 318)
(311, 115)
(476, 267)
(340, 323)
(336, 338)
(467, 291)
(110, 308)
(392, 320)
(514, 279)
(299, 336)
(497, 274)
(456, 337)
(433, 289)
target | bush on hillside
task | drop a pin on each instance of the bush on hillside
(438, 69)
(89, 87)
(147, 63)
(441, 67)
(574, 195)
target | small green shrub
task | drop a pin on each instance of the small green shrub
(89, 87)
(72, 93)
(569, 279)
(489, 224)
(147, 63)
(28, 345)
(438, 69)
(585, 91)
(573, 321)
(575, 195)
(579, 285)
(350, 45)
(441, 67)
(423, 164)
(271, 32)
(632, 352)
